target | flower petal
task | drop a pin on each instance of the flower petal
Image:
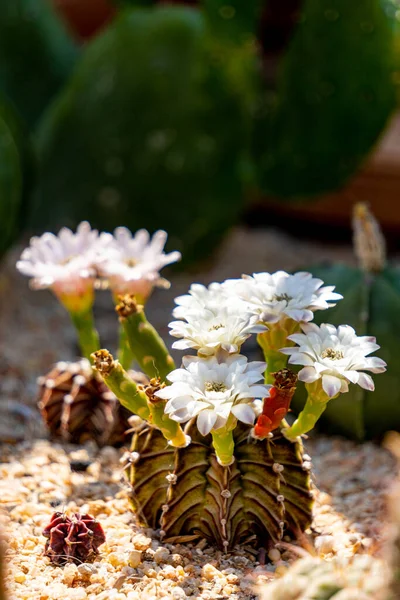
(331, 385)
(206, 421)
(244, 413)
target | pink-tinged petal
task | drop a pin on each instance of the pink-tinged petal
(268, 316)
(320, 368)
(244, 413)
(308, 375)
(182, 345)
(166, 393)
(289, 351)
(178, 375)
(298, 338)
(206, 421)
(366, 382)
(376, 365)
(302, 359)
(331, 385)
(352, 376)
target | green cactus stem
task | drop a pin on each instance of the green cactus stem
(146, 345)
(224, 446)
(139, 399)
(117, 379)
(125, 354)
(264, 495)
(170, 429)
(316, 403)
(272, 340)
(88, 337)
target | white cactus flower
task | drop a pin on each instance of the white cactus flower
(336, 355)
(279, 295)
(201, 297)
(64, 262)
(132, 263)
(207, 331)
(212, 390)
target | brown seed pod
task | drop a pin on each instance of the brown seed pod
(72, 540)
(77, 406)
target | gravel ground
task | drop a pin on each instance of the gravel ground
(36, 476)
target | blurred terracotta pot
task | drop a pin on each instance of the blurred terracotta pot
(85, 17)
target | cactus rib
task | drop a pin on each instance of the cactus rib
(262, 495)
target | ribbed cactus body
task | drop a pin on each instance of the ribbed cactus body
(185, 492)
(371, 304)
(77, 406)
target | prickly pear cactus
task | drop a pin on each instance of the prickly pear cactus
(149, 124)
(234, 21)
(11, 183)
(333, 97)
(36, 54)
(361, 577)
(264, 495)
(371, 304)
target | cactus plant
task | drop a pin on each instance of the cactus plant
(72, 540)
(142, 147)
(11, 183)
(361, 577)
(36, 54)
(186, 492)
(197, 466)
(77, 406)
(371, 304)
(333, 97)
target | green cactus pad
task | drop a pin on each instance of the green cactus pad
(371, 304)
(334, 95)
(232, 20)
(262, 496)
(150, 133)
(36, 54)
(11, 178)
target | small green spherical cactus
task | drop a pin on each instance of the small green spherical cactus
(371, 304)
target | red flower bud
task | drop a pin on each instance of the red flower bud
(277, 405)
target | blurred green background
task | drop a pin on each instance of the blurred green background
(180, 115)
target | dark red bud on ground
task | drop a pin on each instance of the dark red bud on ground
(73, 540)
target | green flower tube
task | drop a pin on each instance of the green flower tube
(119, 382)
(317, 401)
(146, 345)
(224, 446)
(80, 309)
(271, 341)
